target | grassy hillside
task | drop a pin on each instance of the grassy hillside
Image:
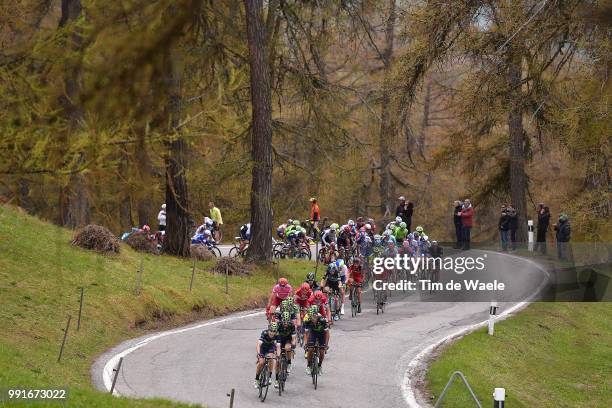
(40, 277)
(549, 355)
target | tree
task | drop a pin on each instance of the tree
(260, 249)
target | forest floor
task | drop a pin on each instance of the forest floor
(548, 355)
(41, 276)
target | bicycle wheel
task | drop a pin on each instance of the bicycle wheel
(315, 366)
(282, 376)
(215, 251)
(234, 252)
(264, 379)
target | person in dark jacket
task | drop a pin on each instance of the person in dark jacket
(512, 224)
(457, 222)
(543, 223)
(563, 235)
(467, 222)
(504, 226)
(408, 215)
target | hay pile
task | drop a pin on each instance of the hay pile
(201, 253)
(234, 267)
(96, 238)
(139, 242)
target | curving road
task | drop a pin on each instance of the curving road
(365, 366)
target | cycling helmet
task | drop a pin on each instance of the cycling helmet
(286, 317)
(368, 226)
(283, 282)
(340, 263)
(318, 295)
(425, 238)
(391, 244)
(310, 276)
(333, 227)
(289, 221)
(146, 228)
(563, 217)
(289, 299)
(304, 286)
(163, 206)
(434, 242)
(347, 229)
(403, 225)
(273, 326)
(398, 219)
(314, 309)
(296, 222)
(406, 243)
(285, 304)
(313, 199)
(419, 229)
(377, 237)
(362, 229)
(351, 222)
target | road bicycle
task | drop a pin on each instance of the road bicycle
(354, 297)
(282, 374)
(334, 304)
(264, 377)
(314, 367)
(235, 251)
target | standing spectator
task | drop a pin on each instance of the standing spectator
(457, 221)
(161, 218)
(563, 233)
(408, 213)
(543, 223)
(504, 227)
(467, 221)
(315, 213)
(513, 224)
(401, 208)
(215, 214)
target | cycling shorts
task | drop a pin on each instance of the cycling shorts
(333, 285)
(316, 337)
(283, 341)
(267, 349)
(357, 277)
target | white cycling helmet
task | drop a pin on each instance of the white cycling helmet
(387, 233)
(163, 206)
(398, 219)
(368, 226)
(351, 223)
(333, 227)
(425, 237)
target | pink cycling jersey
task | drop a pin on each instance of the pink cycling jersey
(282, 292)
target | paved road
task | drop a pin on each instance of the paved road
(364, 367)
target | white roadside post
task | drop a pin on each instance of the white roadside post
(492, 317)
(499, 396)
(530, 235)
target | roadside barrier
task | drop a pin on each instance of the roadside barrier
(530, 235)
(193, 269)
(80, 309)
(448, 384)
(492, 316)
(499, 396)
(231, 397)
(116, 370)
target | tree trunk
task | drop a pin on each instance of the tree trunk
(518, 179)
(260, 248)
(125, 206)
(75, 207)
(177, 199)
(387, 126)
(425, 122)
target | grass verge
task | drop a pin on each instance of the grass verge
(549, 355)
(40, 277)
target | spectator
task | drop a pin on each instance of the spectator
(543, 223)
(315, 214)
(467, 216)
(457, 221)
(563, 234)
(504, 227)
(405, 210)
(161, 218)
(215, 214)
(513, 224)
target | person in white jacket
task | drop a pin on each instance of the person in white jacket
(161, 217)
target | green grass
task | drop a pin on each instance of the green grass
(40, 277)
(549, 355)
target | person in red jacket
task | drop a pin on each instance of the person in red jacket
(467, 215)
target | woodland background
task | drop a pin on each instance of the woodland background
(111, 107)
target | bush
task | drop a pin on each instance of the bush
(139, 241)
(96, 238)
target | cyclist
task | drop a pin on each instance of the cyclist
(388, 238)
(286, 340)
(280, 292)
(393, 224)
(333, 281)
(318, 333)
(378, 246)
(319, 300)
(204, 238)
(345, 240)
(419, 232)
(288, 306)
(369, 230)
(245, 236)
(295, 233)
(400, 233)
(329, 235)
(435, 250)
(356, 278)
(266, 346)
(280, 231)
(301, 300)
(312, 282)
(364, 243)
